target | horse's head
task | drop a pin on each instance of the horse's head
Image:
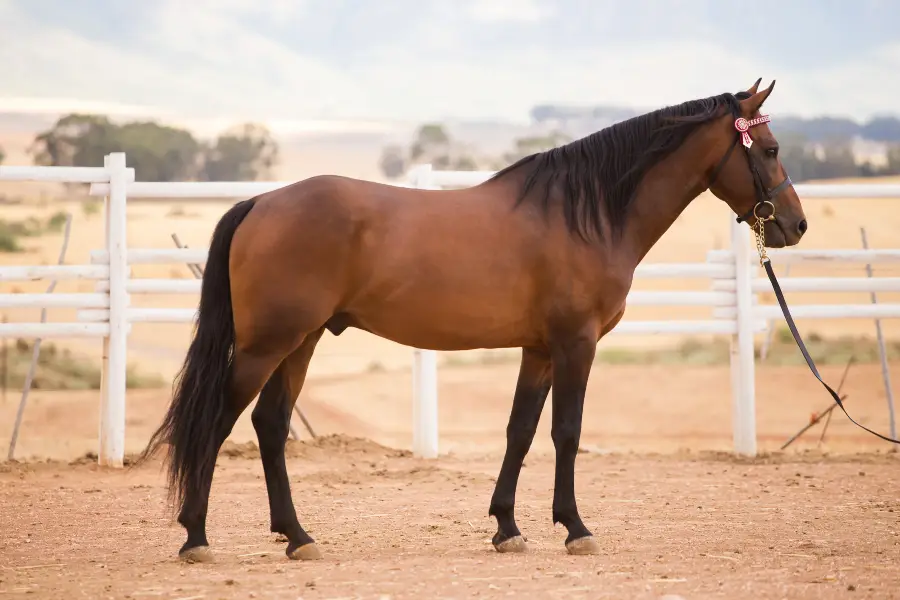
(753, 181)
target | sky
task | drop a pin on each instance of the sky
(416, 60)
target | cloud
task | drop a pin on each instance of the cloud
(509, 84)
(238, 68)
(201, 61)
(508, 10)
(866, 85)
(411, 60)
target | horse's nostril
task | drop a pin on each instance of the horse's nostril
(801, 226)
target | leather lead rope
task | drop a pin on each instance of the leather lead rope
(767, 264)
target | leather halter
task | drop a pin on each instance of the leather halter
(764, 195)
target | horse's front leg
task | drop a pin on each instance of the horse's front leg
(572, 357)
(528, 402)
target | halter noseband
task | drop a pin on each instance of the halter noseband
(764, 195)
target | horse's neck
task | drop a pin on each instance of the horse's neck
(662, 196)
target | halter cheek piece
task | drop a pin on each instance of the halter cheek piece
(764, 195)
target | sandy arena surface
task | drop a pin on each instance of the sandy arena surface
(695, 523)
(390, 526)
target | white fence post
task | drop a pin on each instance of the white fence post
(115, 347)
(104, 360)
(425, 395)
(743, 377)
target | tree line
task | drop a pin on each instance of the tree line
(831, 159)
(432, 144)
(248, 152)
(158, 152)
(803, 158)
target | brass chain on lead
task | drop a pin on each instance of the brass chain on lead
(759, 228)
(760, 232)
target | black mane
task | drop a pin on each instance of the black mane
(605, 167)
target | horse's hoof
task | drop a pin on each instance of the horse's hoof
(305, 552)
(197, 554)
(583, 546)
(514, 544)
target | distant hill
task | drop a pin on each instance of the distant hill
(819, 129)
(583, 119)
(24, 123)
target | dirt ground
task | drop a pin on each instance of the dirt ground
(673, 513)
(675, 526)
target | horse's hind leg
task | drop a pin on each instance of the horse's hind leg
(247, 375)
(271, 420)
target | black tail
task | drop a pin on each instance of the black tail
(194, 420)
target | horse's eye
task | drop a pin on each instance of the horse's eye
(772, 152)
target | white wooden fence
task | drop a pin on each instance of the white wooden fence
(732, 274)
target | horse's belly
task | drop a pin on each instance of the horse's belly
(444, 326)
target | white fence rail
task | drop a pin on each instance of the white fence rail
(732, 295)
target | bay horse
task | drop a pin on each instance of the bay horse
(541, 256)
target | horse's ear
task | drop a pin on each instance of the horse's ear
(754, 102)
(754, 87)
